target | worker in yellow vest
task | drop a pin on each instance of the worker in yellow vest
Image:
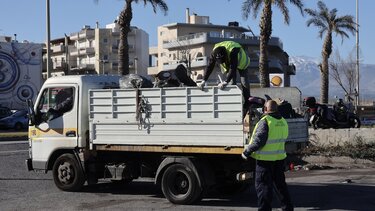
(267, 147)
(232, 58)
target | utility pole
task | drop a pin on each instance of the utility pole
(48, 43)
(357, 49)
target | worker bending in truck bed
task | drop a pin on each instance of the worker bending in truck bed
(232, 58)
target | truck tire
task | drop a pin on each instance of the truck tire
(67, 173)
(180, 185)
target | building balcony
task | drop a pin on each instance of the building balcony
(59, 64)
(191, 39)
(171, 65)
(58, 48)
(274, 42)
(85, 34)
(82, 51)
(87, 66)
(199, 62)
(195, 63)
(204, 37)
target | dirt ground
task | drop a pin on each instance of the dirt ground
(316, 162)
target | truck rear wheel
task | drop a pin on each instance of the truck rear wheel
(67, 173)
(180, 185)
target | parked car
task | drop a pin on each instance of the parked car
(369, 121)
(4, 112)
(18, 120)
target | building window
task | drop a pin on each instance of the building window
(105, 57)
(105, 40)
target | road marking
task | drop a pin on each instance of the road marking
(13, 151)
(14, 142)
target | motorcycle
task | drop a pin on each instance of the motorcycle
(321, 116)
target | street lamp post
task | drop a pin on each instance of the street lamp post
(48, 43)
(357, 49)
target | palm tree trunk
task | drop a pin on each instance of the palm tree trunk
(265, 34)
(125, 18)
(327, 50)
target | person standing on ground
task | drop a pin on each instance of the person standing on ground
(267, 147)
(232, 58)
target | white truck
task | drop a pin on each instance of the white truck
(187, 139)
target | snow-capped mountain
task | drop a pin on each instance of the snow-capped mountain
(307, 78)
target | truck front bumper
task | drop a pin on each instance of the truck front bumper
(29, 164)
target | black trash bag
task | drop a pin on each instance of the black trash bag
(134, 81)
(286, 110)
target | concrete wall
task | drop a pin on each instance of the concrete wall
(340, 136)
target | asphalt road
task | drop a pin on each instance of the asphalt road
(311, 190)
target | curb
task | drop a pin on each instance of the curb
(20, 138)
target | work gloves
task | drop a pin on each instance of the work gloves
(201, 85)
(222, 85)
(244, 156)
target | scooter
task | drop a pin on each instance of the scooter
(321, 116)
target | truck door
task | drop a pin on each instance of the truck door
(56, 123)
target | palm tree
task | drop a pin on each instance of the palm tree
(125, 17)
(328, 22)
(265, 25)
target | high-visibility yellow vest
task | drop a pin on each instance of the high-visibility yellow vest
(274, 149)
(243, 59)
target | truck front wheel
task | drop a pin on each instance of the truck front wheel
(67, 173)
(180, 185)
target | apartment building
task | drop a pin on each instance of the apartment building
(60, 57)
(95, 51)
(191, 43)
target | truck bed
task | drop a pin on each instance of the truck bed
(178, 116)
(176, 119)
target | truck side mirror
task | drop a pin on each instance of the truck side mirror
(30, 112)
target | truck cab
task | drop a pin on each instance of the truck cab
(54, 132)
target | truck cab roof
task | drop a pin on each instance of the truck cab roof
(110, 81)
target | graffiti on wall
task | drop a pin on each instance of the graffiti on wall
(20, 73)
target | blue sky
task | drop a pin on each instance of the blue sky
(26, 18)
